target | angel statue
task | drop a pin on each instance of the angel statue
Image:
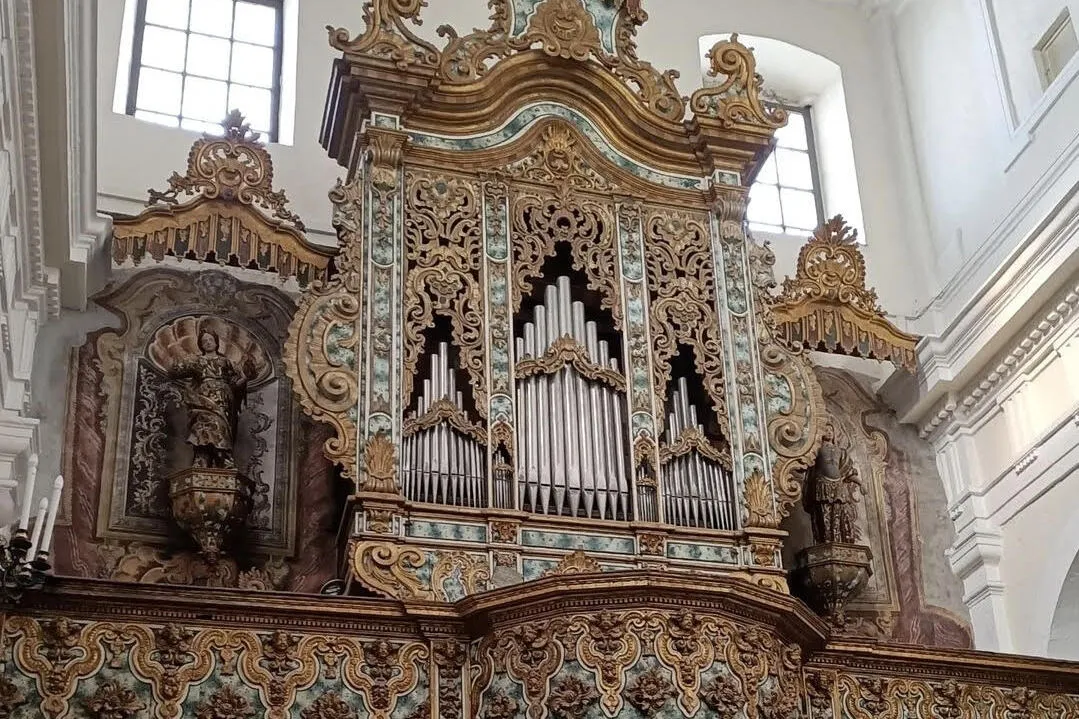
(213, 389)
(831, 491)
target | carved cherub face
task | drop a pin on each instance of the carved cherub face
(208, 342)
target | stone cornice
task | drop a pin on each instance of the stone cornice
(1024, 349)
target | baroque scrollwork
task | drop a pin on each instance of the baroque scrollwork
(444, 250)
(565, 28)
(387, 35)
(540, 222)
(735, 99)
(681, 279)
(445, 411)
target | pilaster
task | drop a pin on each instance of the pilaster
(975, 558)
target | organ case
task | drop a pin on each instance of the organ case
(548, 345)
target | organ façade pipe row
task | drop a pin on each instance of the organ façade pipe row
(439, 464)
(698, 491)
(572, 454)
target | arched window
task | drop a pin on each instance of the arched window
(786, 197)
(810, 174)
(194, 60)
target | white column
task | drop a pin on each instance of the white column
(975, 558)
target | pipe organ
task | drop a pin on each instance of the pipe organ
(440, 462)
(548, 331)
(570, 415)
(700, 488)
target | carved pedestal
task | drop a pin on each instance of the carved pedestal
(209, 504)
(829, 576)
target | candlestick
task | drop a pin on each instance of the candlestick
(54, 509)
(42, 509)
(28, 491)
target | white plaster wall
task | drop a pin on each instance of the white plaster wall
(987, 184)
(840, 32)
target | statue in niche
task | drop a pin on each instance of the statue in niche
(213, 389)
(832, 487)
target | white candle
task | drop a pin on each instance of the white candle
(28, 491)
(54, 509)
(39, 524)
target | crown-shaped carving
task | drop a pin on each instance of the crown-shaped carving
(827, 305)
(235, 167)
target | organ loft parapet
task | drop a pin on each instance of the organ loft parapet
(549, 333)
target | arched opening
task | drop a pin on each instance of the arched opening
(1064, 631)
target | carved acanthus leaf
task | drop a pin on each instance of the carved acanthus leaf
(736, 99)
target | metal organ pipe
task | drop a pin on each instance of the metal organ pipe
(439, 463)
(698, 491)
(572, 457)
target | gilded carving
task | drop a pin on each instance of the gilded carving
(472, 571)
(694, 440)
(759, 502)
(571, 697)
(225, 703)
(558, 161)
(650, 692)
(576, 562)
(566, 351)
(681, 278)
(827, 305)
(563, 28)
(113, 701)
(652, 544)
(387, 35)
(736, 99)
(390, 570)
(329, 706)
(504, 532)
(539, 223)
(379, 466)
(445, 411)
(444, 250)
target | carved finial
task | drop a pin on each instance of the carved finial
(234, 167)
(736, 99)
(827, 306)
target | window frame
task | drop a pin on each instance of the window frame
(278, 58)
(806, 112)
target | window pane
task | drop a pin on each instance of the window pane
(211, 128)
(255, 23)
(163, 48)
(205, 99)
(213, 17)
(794, 170)
(172, 13)
(159, 91)
(768, 175)
(758, 227)
(254, 103)
(799, 209)
(764, 205)
(794, 134)
(208, 56)
(169, 120)
(252, 65)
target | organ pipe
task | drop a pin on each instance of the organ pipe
(441, 464)
(698, 490)
(572, 449)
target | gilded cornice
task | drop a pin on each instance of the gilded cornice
(224, 209)
(827, 306)
(565, 51)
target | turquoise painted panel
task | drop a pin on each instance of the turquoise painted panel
(702, 552)
(449, 531)
(531, 114)
(570, 540)
(532, 569)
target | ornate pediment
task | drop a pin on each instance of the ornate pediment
(827, 306)
(223, 209)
